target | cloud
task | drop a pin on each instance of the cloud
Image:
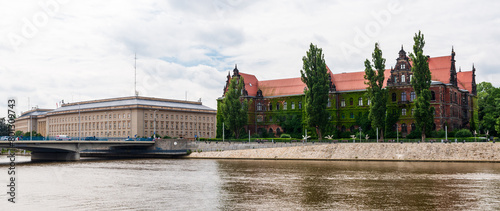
(85, 49)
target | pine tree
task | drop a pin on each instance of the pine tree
(375, 91)
(234, 109)
(315, 75)
(421, 82)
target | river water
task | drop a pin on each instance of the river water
(184, 184)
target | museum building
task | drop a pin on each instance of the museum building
(453, 97)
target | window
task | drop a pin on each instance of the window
(293, 105)
(403, 78)
(277, 106)
(413, 128)
(352, 115)
(412, 96)
(270, 106)
(343, 116)
(259, 106)
(403, 128)
(284, 105)
(403, 66)
(395, 79)
(403, 112)
(259, 118)
(342, 103)
(300, 104)
(351, 101)
(270, 130)
(411, 76)
(393, 97)
(455, 97)
(403, 96)
(360, 101)
(369, 102)
(342, 128)
(329, 103)
(433, 95)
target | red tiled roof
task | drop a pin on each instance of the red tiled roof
(439, 67)
(251, 84)
(464, 80)
(289, 86)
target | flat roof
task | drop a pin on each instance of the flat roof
(124, 101)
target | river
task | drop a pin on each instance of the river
(184, 184)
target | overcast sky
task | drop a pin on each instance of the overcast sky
(83, 50)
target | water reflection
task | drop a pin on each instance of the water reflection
(170, 184)
(359, 185)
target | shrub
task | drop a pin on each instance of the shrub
(438, 134)
(463, 133)
(284, 135)
(415, 134)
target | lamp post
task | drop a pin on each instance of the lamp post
(397, 133)
(360, 130)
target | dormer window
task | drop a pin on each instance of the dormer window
(403, 66)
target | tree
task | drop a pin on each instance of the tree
(234, 109)
(315, 75)
(421, 82)
(4, 127)
(489, 110)
(375, 91)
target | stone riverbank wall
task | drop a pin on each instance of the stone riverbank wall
(460, 152)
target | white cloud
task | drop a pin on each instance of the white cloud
(85, 50)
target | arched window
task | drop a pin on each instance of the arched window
(433, 95)
(270, 130)
(412, 96)
(360, 101)
(403, 128)
(278, 131)
(403, 78)
(270, 106)
(393, 97)
(403, 96)
(413, 128)
(259, 106)
(351, 101)
(351, 129)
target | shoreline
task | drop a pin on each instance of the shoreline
(392, 152)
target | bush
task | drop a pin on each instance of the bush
(415, 134)
(438, 134)
(463, 133)
(284, 135)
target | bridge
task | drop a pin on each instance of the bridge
(72, 150)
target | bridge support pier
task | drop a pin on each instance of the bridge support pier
(55, 156)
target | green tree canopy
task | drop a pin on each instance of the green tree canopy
(315, 75)
(375, 91)
(489, 108)
(4, 127)
(234, 108)
(421, 82)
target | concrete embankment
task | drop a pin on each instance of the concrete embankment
(460, 152)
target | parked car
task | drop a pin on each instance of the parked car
(4, 138)
(129, 139)
(91, 138)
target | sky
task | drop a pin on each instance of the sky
(71, 50)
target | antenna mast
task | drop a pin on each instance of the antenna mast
(135, 75)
